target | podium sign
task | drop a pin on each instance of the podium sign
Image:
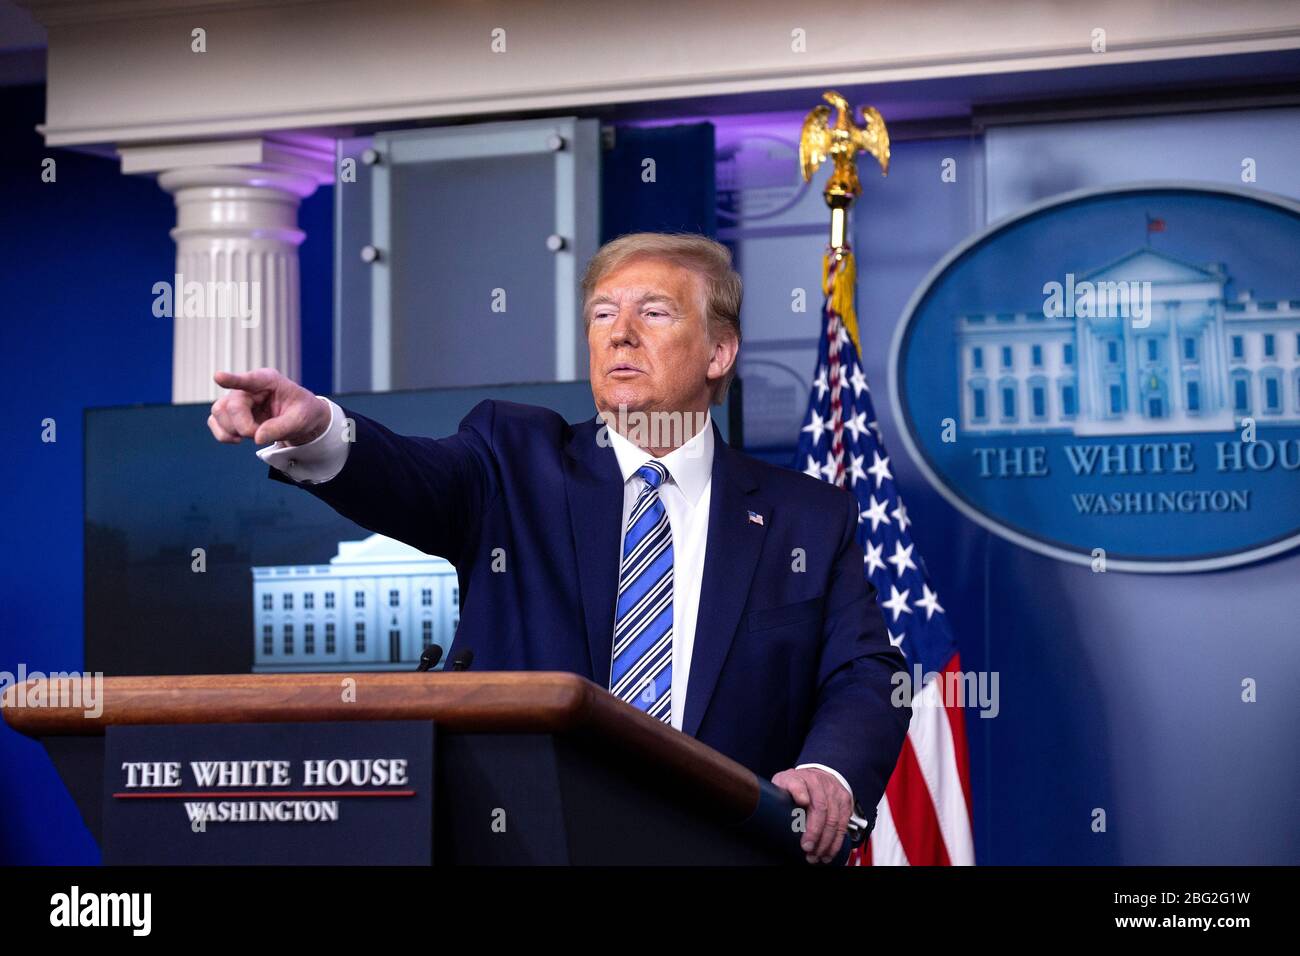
(328, 793)
(280, 769)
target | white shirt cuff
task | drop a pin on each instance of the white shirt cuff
(856, 820)
(319, 459)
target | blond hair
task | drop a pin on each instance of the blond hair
(710, 259)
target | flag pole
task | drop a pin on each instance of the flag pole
(840, 140)
(839, 437)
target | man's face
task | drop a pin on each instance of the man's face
(649, 341)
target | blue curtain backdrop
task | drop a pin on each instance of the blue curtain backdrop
(78, 258)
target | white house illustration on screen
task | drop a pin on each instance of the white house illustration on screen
(1202, 363)
(375, 606)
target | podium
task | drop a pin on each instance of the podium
(588, 779)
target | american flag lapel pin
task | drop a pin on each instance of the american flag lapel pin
(756, 518)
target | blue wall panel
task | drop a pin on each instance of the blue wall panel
(78, 260)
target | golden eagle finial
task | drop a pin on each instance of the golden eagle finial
(841, 141)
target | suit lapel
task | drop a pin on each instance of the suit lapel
(730, 558)
(594, 486)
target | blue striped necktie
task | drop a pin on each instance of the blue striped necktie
(641, 670)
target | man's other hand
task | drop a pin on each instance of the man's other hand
(267, 407)
(828, 806)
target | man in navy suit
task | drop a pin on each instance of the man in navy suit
(717, 593)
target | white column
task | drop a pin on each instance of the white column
(1216, 332)
(1177, 400)
(237, 235)
(1084, 387)
(1132, 383)
(237, 241)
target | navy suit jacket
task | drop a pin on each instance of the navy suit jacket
(791, 664)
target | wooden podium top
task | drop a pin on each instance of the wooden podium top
(466, 702)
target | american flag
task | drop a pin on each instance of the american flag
(924, 818)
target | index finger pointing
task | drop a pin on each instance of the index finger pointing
(255, 381)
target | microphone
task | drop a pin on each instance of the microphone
(429, 659)
(462, 660)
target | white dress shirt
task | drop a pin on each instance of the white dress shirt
(685, 496)
(319, 459)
